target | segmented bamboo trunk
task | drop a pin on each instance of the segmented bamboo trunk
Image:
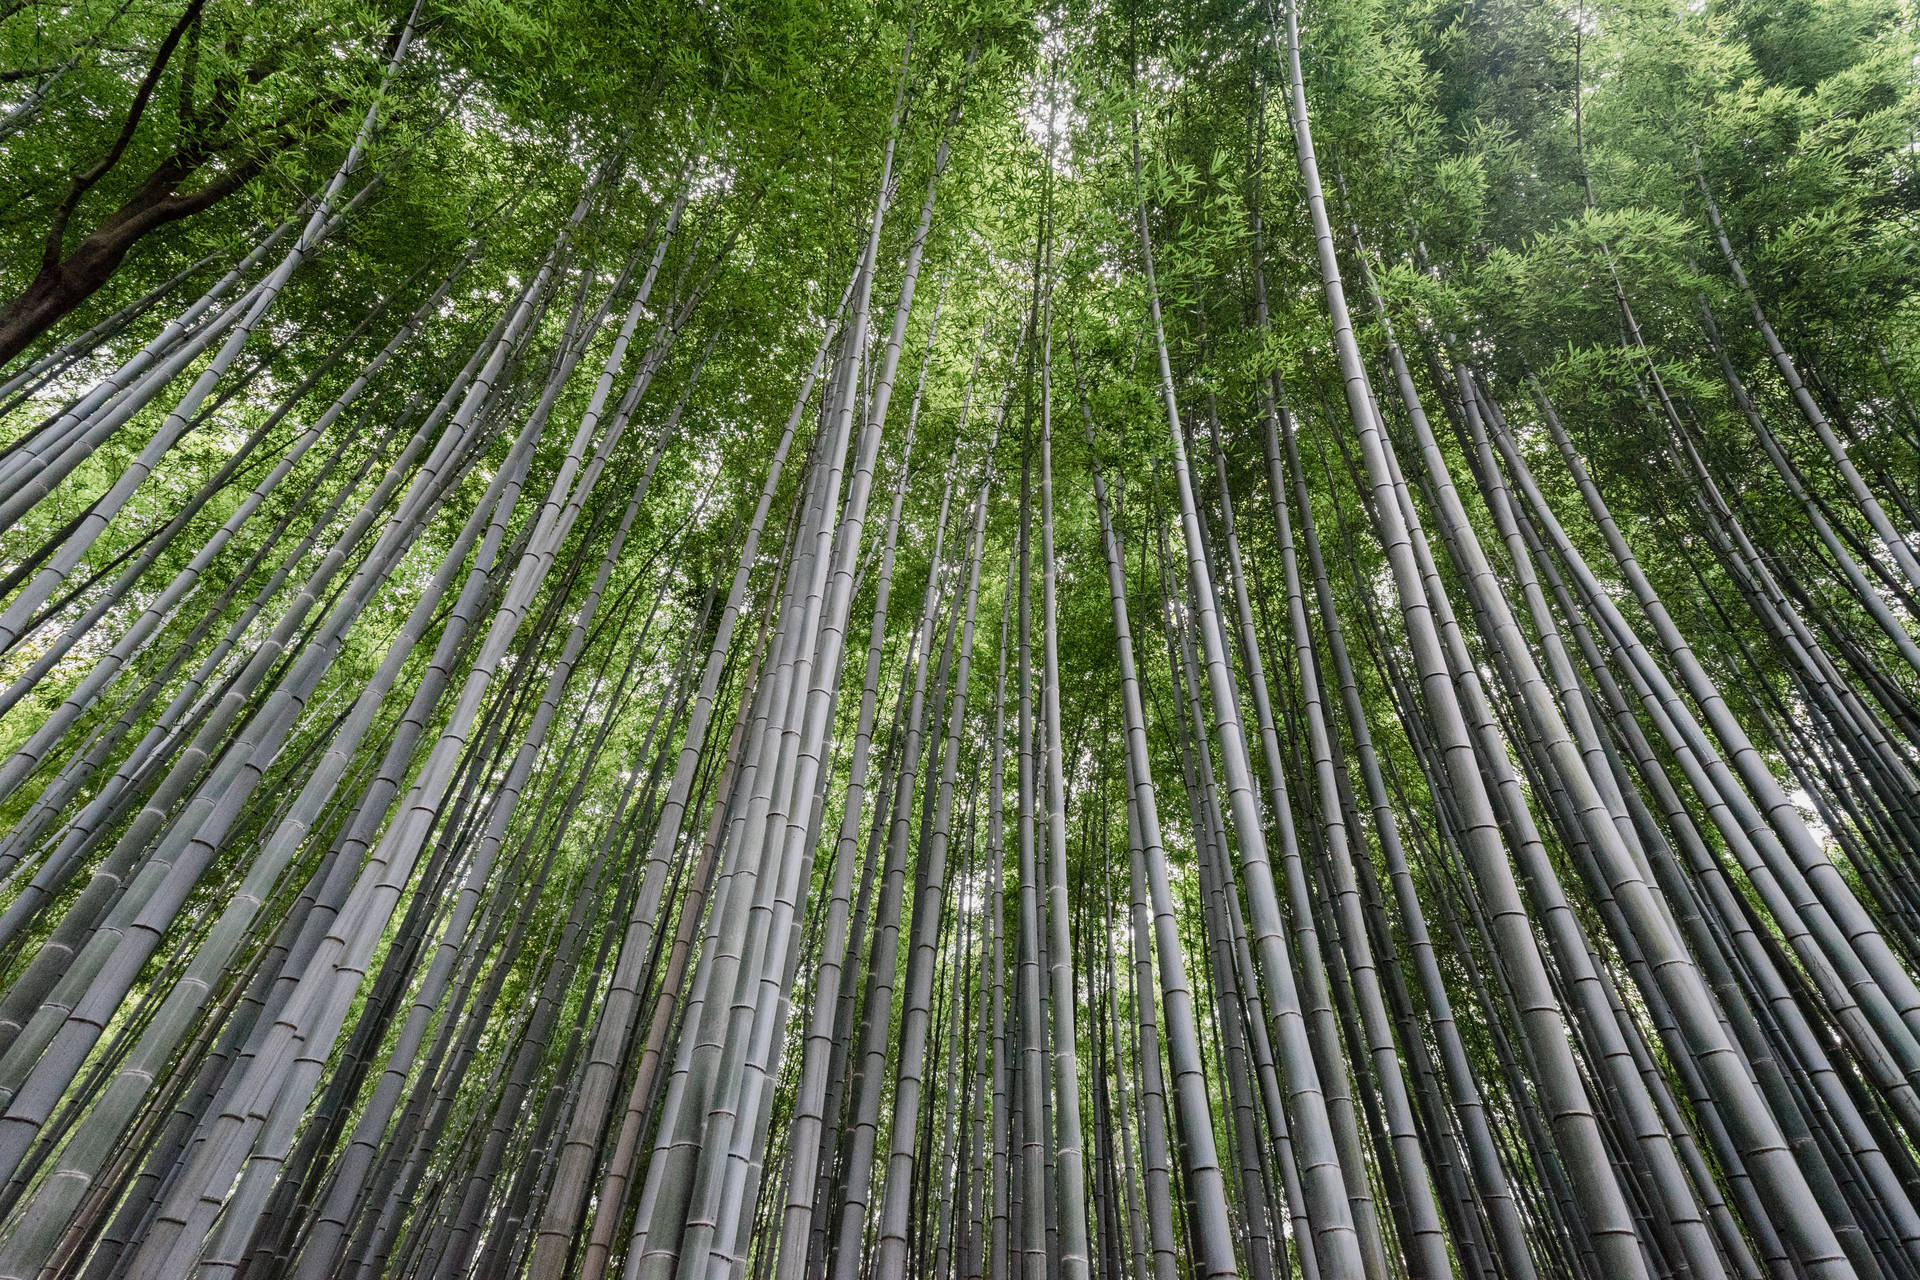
(378, 897)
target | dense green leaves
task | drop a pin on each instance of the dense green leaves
(453, 857)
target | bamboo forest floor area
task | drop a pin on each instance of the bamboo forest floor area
(959, 639)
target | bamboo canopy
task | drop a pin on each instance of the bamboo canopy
(1072, 640)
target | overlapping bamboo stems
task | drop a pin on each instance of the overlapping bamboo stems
(1852, 725)
(324, 1000)
(1033, 1197)
(108, 668)
(1865, 593)
(377, 1111)
(1483, 1155)
(805, 1151)
(136, 380)
(1706, 873)
(1337, 1245)
(1314, 971)
(1000, 1225)
(773, 853)
(1073, 1261)
(442, 464)
(1897, 546)
(1422, 1234)
(36, 481)
(1657, 1127)
(890, 1254)
(1153, 900)
(1849, 966)
(1789, 843)
(28, 381)
(1228, 1008)
(1575, 1125)
(804, 1141)
(143, 555)
(1789, 1114)
(1495, 1194)
(860, 1121)
(1621, 881)
(1679, 1219)
(613, 1025)
(81, 1025)
(692, 897)
(109, 988)
(971, 1253)
(950, 1175)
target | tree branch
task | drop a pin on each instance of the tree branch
(84, 182)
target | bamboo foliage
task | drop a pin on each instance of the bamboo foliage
(1448, 796)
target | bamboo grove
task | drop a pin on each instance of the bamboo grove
(825, 641)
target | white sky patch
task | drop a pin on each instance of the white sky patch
(1811, 816)
(714, 180)
(1050, 98)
